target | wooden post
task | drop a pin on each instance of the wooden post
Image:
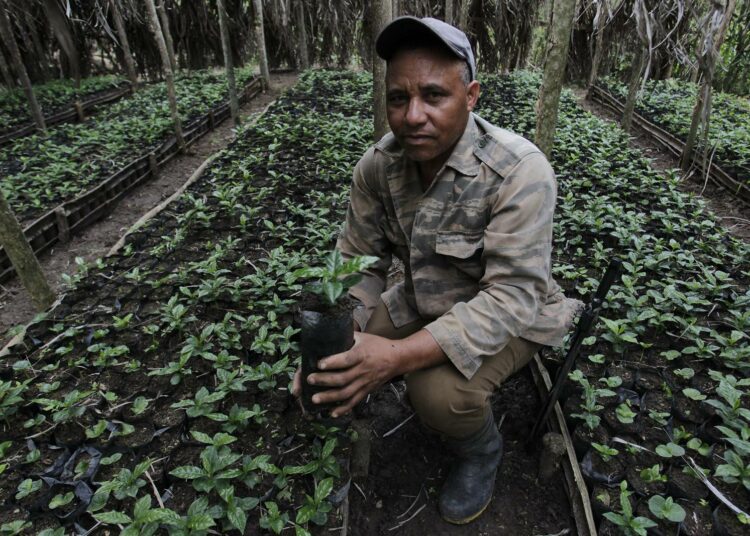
(165, 28)
(448, 11)
(10, 42)
(381, 15)
(226, 46)
(19, 251)
(63, 227)
(260, 41)
(558, 38)
(122, 35)
(169, 74)
(639, 63)
(153, 165)
(78, 107)
(553, 450)
(464, 6)
(599, 24)
(304, 55)
(713, 38)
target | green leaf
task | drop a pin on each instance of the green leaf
(187, 472)
(693, 394)
(237, 517)
(323, 489)
(61, 499)
(113, 518)
(139, 405)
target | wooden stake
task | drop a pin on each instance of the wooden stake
(226, 46)
(168, 73)
(122, 35)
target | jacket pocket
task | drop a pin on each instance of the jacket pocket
(459, 245)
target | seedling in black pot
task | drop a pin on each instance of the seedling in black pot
(325, 317)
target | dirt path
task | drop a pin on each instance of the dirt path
(15, 304)
(732, 213)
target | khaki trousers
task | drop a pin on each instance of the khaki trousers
(444, 399)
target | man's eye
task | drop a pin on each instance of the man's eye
(434, 95)
(396, 99)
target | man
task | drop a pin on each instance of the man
(468, 209)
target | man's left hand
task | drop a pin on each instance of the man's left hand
(353, 374)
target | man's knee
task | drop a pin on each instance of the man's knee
(445, 402)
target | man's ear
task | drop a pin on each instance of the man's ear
(472, 95)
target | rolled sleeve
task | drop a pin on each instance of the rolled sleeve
(516, 260)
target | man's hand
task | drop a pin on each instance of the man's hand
(371, 362)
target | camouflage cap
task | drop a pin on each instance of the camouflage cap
(411, 29)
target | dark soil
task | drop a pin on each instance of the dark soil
(94, 242)
(408, 468)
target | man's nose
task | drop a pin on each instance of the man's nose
(415, 114)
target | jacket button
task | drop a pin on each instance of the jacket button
(482, 143)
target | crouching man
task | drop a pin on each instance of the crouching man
(468, 209)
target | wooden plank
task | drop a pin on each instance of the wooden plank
(578, 493)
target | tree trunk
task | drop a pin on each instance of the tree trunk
(304, 55)
(639, 63)
(226, 46)
(32, 64)
(168, 73)
(10, 43)
(10, 82)
(707, 65)
(260, 40)
(124, 43)
(164, 18)
(554, 73)
(381, 15)
(601, 18)
(20, 253)
(463, 15)
(395, 9)
(449, 11)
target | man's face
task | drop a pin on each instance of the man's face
(428, 103)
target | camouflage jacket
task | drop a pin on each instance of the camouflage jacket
(475, 246)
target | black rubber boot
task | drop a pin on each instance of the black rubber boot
(468, 489)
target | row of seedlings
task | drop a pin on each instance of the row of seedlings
(669, 104)
(156, 394)
(53, 97)
(40, 172)
(659, 400)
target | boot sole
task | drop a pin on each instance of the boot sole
(469, 519)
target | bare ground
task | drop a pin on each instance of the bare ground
(15, 304)
(733, 214)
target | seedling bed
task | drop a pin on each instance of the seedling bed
(186, 333)
(39, 173)
(88, 105)
(725, 168)
(74, 215)
(56, 99)
(660, 394)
